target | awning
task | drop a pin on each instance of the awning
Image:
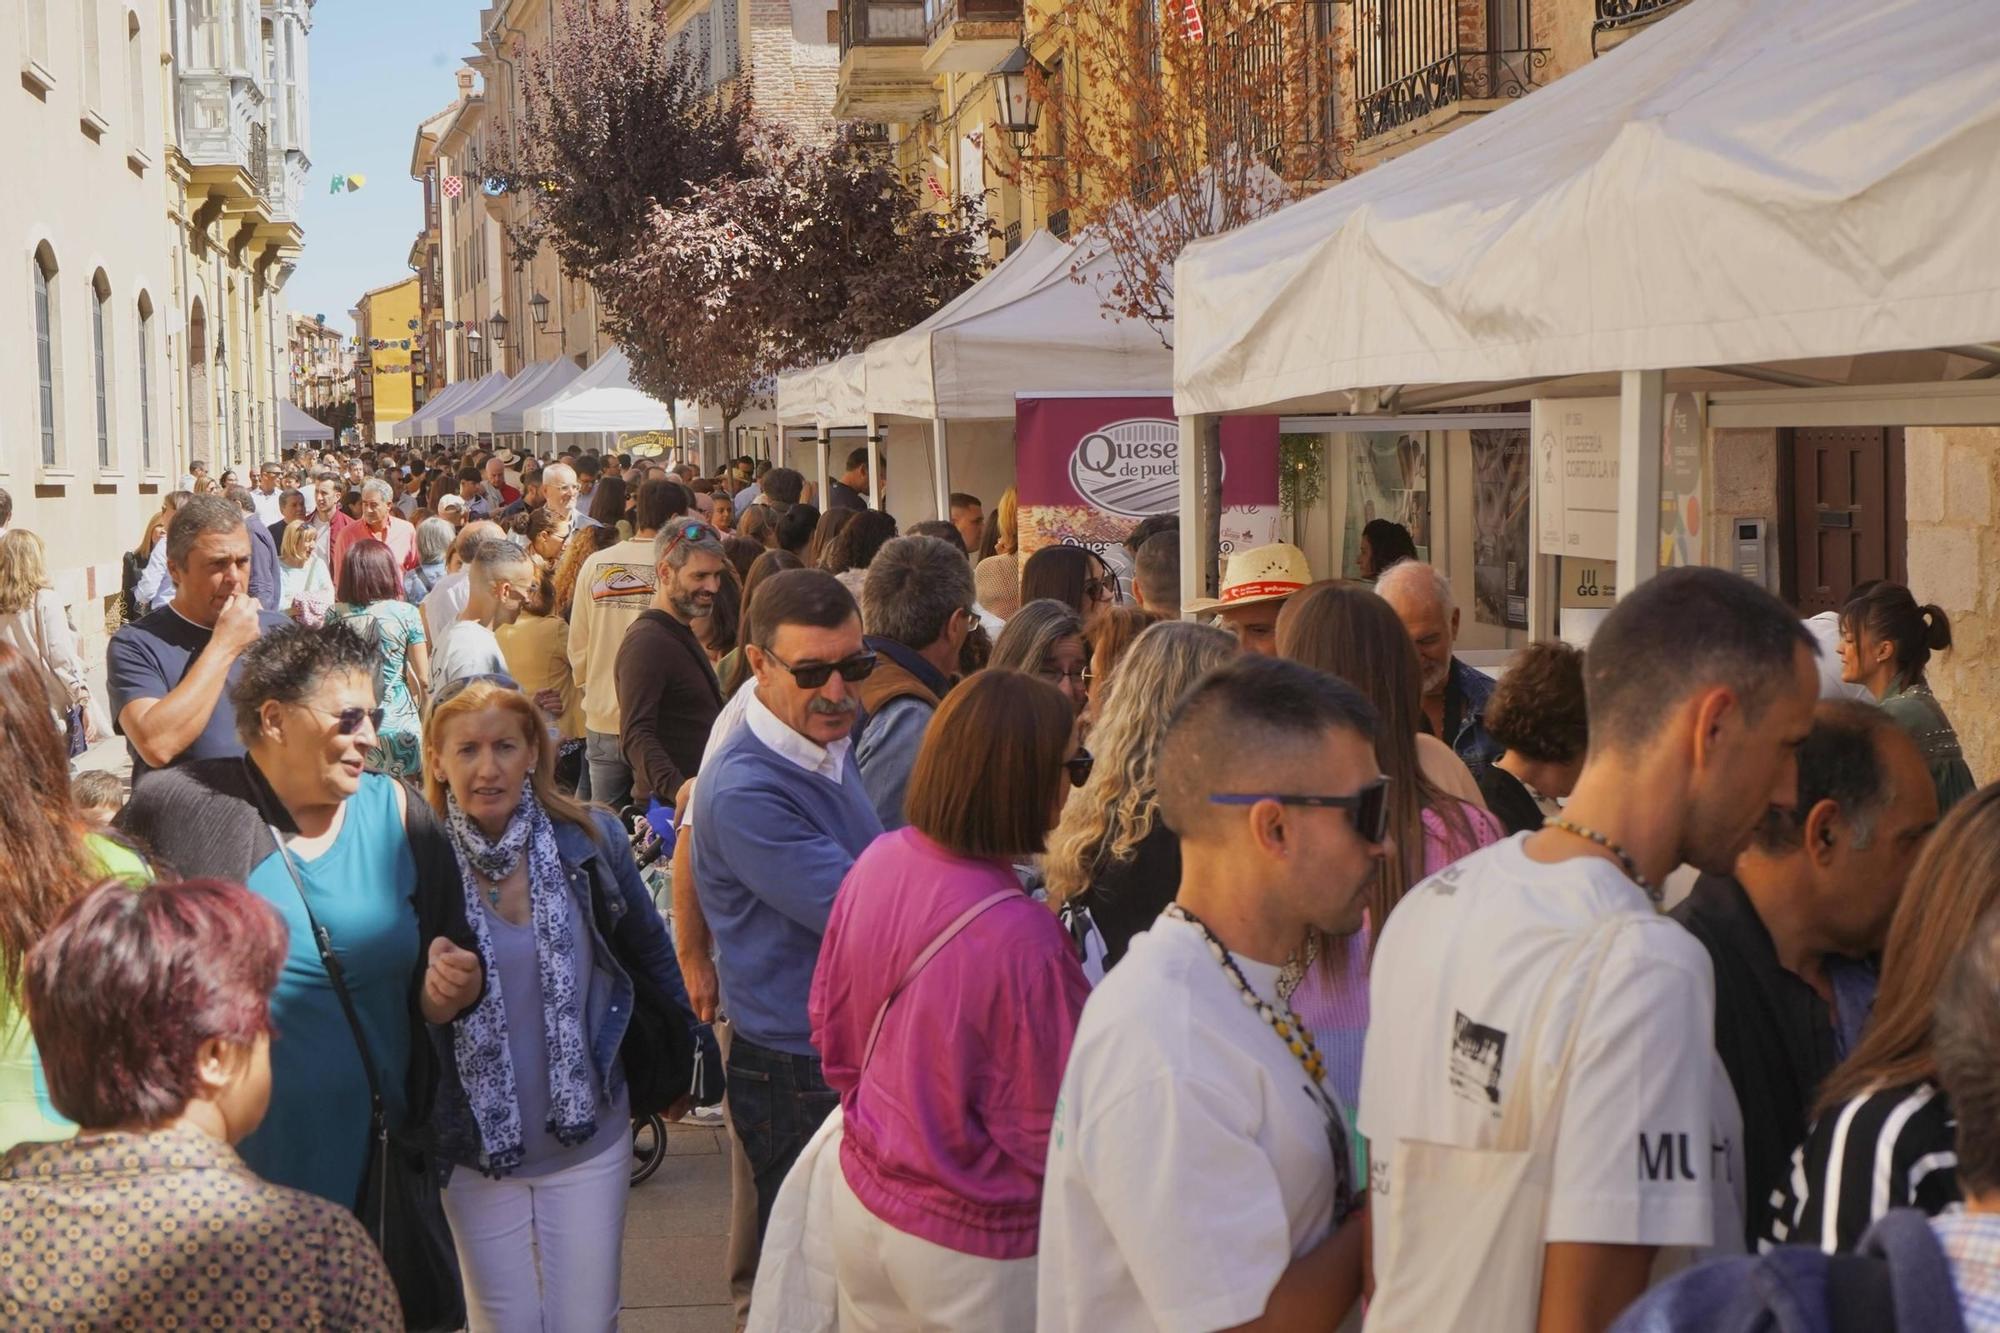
(452, 420)
(504, 414)
(417, 424)
(1746, 182)
(833, 393)
(601, 399)
(296, 427)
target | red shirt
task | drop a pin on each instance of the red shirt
(401, 540)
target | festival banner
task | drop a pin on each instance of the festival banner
(1087, 470)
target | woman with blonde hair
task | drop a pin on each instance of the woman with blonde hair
(1882, 1132)
(1112, 865)
(305, 588)
(1116, 630)
(996, 572)
(533, 1110)
(34, 621)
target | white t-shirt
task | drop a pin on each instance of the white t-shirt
(1188, 1163)
(1649, 1151)
(445, 602)
(466, 648)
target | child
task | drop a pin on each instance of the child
(99, 795)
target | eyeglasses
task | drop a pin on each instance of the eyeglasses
(690, 532)
(1078, 767)
(1105, 589)
(459, 686)
(1369, 807)
(348, 720)
(813, 675)
(1056, 675)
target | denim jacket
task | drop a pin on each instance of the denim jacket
(1475, 691)
(613, 898)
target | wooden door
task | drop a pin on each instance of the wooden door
(1847, 520)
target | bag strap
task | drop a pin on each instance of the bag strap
(944, 937)
(1516, 1132)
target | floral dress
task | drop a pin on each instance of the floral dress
(392, 628)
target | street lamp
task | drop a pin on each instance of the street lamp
(499, 326)
(538, 306)
(1020, 109)
(474, 339)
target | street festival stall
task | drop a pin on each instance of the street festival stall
(417, 424)
(505, 414)
(1767, 200)
(452, 421)
(297, 427)
(601, 401)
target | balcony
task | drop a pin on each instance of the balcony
(1618, 19)
(219, 116)
(970, 36)
(1276, 80)
(882, 75)
(1422, 65)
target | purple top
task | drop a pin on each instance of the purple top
(947, 1131)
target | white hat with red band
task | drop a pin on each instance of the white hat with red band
(1265, 574)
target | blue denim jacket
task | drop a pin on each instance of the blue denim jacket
(1475, 690)
(613, 898)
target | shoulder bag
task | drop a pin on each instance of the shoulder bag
(401, 1204)
(661, 1052)
(1462, 1246)
(917, 964)
(76, 731)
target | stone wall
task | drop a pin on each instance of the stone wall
(1954, 561)
(1742, 467)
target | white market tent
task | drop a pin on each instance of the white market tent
(452, 421)
(601, 399)
(417, 424)
(505, 414)
(297, 427)
(1749, 192)
(833, 393)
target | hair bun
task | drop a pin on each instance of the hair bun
(1937, 627)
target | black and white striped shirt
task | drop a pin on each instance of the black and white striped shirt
(1890, 1149)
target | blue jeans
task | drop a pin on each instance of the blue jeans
(610, 775)
(776, 1103)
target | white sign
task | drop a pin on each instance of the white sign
(1576, 470)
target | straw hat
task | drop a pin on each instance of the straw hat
(997, 579)
(1266, 574)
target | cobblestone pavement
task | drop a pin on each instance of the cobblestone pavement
(676, 1229)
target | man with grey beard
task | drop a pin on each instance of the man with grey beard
(1455, 695)
(779, 815)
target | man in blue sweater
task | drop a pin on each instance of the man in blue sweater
(782, 813)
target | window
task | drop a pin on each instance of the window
(93, 56)
(145, 382)
(100, 301)
(45, 350)
(36, 36)
(135, 81)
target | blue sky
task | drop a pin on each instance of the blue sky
(378, 68)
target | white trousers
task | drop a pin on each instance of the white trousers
(892, 1282)
(572, 1220)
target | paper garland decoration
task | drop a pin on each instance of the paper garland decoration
(1191, 24)
(454, 186)
(349, 184)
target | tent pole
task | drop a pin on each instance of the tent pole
(874, 462)
(1641, 421)
(943, 468)
(822, 442)
(1193, 503)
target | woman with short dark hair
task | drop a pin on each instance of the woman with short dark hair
(1045, 639)
(153, 1007)
(1537, 715)
(370, 603)
(943, 1006)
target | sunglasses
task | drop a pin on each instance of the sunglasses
(1104, 589)
(1368, 808)
(691, 532)
(348, 720)
(457, 687)
(813, 675)
(1078, 767)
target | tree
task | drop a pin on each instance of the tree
(1175, 120)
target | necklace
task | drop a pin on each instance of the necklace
(491, 888)
(1290, 1031)
(1625, 860)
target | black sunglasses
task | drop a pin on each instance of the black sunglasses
(1106, 588)
(1369, 807)
(813, 675)
(459, 686)
(1078, 767)
(348, 720)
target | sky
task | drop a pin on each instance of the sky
(378, 69)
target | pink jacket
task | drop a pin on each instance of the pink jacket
(947, 1130)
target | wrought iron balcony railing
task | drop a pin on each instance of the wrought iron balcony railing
(940, 15)
(881, 23)
(1613, 14)
(1416, 57)
(1011, 237)
(1278, 88)
(1059, 224)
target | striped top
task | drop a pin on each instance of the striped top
(1890, 1149)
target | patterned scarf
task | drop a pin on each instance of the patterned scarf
(485, 1065)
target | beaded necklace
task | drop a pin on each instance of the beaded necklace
(1625, 860)
(1290, 1031)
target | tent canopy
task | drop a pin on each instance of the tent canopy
(833, 393)
(1747, 182)
(602, 398)
(297, 427)
(452, 420)
(418, 423)
(504, 413)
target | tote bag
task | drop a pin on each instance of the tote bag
(1462, 1249)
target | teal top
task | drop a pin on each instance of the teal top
(315, 1136)
(1918, 712)
(393, 628)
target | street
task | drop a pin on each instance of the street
(675, 1232)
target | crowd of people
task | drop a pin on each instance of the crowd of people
(1071, 963)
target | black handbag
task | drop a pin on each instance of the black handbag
(401, 1203)
(660, 1051)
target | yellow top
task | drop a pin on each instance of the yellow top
(537, 653)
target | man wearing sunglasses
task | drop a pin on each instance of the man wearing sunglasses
(780, 813)
(1200, 1173)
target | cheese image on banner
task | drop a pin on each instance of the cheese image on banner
(1088, 470)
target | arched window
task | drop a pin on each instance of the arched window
(145, 382)
(46, 312)
(100, 350)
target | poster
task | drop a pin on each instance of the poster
(1576, 465)
(1089, 469)
(1681, 516)
(1388, 476)
(1500, 546)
